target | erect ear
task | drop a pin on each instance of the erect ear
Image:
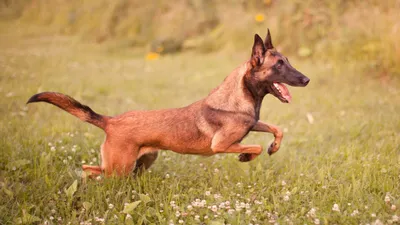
(257, 55)
(268, 41)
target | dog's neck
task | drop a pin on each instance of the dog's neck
(239, 92)
(255, 91)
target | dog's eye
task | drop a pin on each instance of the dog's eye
(279, 64)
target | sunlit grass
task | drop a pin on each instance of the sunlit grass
(343, 168)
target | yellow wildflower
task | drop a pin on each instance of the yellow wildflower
(152, 56)
(259, 18)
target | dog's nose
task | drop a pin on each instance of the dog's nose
(305, 80)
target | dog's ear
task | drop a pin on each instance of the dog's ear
(268, 41)
(257, 54)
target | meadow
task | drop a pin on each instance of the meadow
(339, 161)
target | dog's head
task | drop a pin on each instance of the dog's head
(272, 69)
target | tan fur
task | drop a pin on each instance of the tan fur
(215, 124)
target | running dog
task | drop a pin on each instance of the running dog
(215, 124)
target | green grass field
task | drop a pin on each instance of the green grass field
(341, 143)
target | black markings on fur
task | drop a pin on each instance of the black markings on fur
(34, 98)
(69, 104)
(89, 112)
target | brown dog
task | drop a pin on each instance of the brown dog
(215, 124)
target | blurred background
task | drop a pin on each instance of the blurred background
(353, 31)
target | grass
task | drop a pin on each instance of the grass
(341, 143)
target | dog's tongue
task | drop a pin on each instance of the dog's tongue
(284, 91)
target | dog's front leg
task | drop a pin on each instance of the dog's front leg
(228, 142)
(278, 134)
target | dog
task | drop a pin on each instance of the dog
(215, 124)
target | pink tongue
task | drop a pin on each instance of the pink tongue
(285, 92)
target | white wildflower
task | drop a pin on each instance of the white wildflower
(377, 222)
(110, 206)
(393, 207)
(335, 207)
(180, 221)
(98, 219)
(354, 213)
(317, 222)
(312, 213)
(283, 183)
(286, 198)
(217, 196)
(214, 208)
(208, 193)
(387, 199)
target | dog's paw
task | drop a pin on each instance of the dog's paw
(274, 147)
(245, 157)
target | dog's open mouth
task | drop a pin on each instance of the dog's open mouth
(281, 92)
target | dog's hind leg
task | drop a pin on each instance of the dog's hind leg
(146, 158)
(119, 157)
(91, 171)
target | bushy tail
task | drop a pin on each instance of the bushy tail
(72, 106)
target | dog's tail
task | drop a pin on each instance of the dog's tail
(72, 106)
